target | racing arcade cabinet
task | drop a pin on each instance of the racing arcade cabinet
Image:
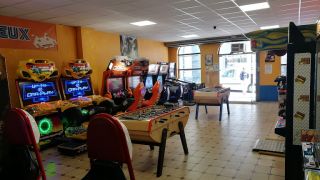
(38, 93)
(151, 79)
(114, 84)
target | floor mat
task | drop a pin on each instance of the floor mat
(270, 146)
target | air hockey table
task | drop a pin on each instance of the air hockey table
(215, 96)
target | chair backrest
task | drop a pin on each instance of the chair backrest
(18, 130)
(106, 139)
(137, 94)
(155, 95)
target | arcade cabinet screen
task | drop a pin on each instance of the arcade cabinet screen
(37, 92)
(164, 69)
(133, 81)
(159, 78)
(115, 84)
(172, 70)
(149, 82)
(74, 88)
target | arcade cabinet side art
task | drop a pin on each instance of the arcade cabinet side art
(4, 102)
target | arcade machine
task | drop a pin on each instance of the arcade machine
(114, 85)
(77, 87)
(151, 79)
(137, 69)
(39, 94)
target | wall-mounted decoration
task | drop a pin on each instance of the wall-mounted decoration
(270, 57)
(273, 39)
(129, 46)
(268, 69)
(209, 59)
(25, 34)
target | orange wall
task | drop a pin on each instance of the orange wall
(268, 79)
(66, 51)
(209, 78)
(99, 47)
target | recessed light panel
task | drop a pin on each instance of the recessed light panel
(190, 36)
(143, 23)
(254, 7)
(269, 27)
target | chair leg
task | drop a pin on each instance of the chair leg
(162, 149)
(206, 109)
(131, 173)
(151, 147)
(197, 110)
(221, 107)
(228, 106)
(183, 138)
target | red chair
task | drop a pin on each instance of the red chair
(106, 140)
(155, 96)
(18, 131)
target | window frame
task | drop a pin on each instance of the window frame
(189, 54)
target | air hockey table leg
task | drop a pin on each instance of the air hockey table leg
(183, 138)
(197, 110)
(205, 106)
(162, 149)
(221, 107)
(228, 106)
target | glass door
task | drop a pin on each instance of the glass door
(238, 71)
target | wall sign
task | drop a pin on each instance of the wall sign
(26, 34)
(129, 46)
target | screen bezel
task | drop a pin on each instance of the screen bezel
(62, 80)
(22, 104)
(122, 80)
(128, 81)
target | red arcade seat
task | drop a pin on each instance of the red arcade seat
(108, 140)
(155, 95)
(137, 94)
(18, 131)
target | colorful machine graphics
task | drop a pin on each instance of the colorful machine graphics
(77, 69)
(37, 92)
(275, 39)
(77, 87)
(37, 70)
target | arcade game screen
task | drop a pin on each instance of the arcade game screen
(149, 82)
(159, 78)
(74, 88)
(133, 81)
(37, 92)
(115, 84)
(153, 69)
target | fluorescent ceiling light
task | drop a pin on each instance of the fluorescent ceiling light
(143, 23)
(190, 36)
(269, 27)
(256, 6)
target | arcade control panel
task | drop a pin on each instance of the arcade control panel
(88, 100)
(146, 124)
(47, 108)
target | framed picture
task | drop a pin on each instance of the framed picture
(209, 59)
(129, 46)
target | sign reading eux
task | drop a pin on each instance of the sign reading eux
(26, 34)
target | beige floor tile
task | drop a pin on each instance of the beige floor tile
(217, 150)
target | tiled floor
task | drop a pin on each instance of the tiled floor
(217, 150)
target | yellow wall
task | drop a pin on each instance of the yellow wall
(95, 46)
(99, 47)
(268, 79)
(209, 78)
(66, 51)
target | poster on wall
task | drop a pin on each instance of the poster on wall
(4, 91)
(129, 46)
(25, 34)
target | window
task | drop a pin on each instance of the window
(190, 64)
(284, 65)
